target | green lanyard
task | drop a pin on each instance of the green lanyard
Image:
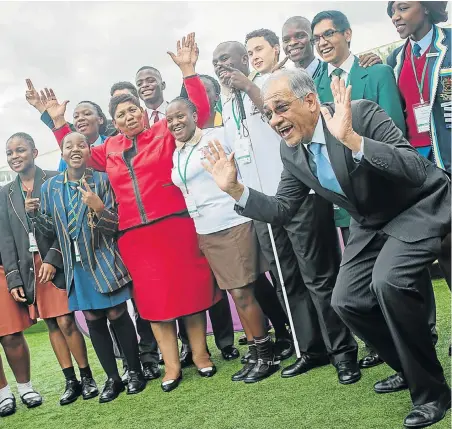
(237, 118)
(420, 86)
(24, 196)
(184, 177)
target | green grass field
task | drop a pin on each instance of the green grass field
(312, 401)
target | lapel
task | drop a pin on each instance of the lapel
(58, 187)
(358, 79)
(324, 85)
(342, 163)
(435, 63)
(82, 208)
(400, 58)
(16, 200)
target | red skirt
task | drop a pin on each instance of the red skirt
(170, 276)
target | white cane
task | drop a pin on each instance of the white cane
(270, 230)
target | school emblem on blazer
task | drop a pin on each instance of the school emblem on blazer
(445, 88)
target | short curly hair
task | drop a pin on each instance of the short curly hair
(268, 35)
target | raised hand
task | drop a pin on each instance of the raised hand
(50, 102)
(31, 204)
(187, 53)
(235, 79)
(223, 169)
(90, 198)
(32, 96)
(340, 124)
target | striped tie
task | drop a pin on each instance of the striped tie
(73, 207)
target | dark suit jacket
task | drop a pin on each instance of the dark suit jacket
(439, 75)
(14, 243)
(392, 188)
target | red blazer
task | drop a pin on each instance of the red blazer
(145, 192)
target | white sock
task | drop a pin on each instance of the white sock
(24, 388)
(5, 393)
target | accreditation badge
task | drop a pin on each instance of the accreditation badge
(242, 148)
(191, 205)
(32, 244)
(78, 257)
(422, 116)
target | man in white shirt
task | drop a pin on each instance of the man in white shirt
(150, 87)
(263, 50)
(307, 246)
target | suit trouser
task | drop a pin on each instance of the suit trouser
(222, 326)
(377, 295)
(444, 258)
(309, 258)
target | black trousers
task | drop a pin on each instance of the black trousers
(377, 295)
(222, 326)
(309, 257)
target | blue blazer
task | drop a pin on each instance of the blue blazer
(97, 243)
(439, 73)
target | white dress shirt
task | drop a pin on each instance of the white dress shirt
(311, 68)
(161, 112)
(425, 42)
(346, 67)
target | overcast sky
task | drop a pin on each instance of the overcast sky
(81, 48)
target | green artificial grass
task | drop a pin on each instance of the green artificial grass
(312, 401)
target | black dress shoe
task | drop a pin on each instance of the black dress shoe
(8, 407)
(151, 371)
(111, 390)
(240, 375)
(283, 348)
(428, 414)
(348, 372)
(31, 399)
(186, 357)
(125, 376)
(304, 364)
(371, 360)
(136, 383)
(169, 385)
(246, 358)
(261, 370)
(89, 388)
(229, 353)
(72, 392)
(243, 341)
(393, 383)
(207, 372)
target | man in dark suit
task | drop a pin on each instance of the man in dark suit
(354, 156)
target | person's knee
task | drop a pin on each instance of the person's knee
(383, 282)
(52, 325)
(13, 341)
(67, 324)
(243, 298)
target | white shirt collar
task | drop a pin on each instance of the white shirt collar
(346, 66)
(424, 43)
(98, 142)
(311, 68)
(161, 109)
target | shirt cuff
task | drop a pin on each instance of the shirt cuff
(357, 156)
(244, 198)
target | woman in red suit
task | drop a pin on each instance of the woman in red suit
(158, 241)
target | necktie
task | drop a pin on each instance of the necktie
(323, 171)
(156, 116)
(73, 208)
(337, 72)
(416, 50)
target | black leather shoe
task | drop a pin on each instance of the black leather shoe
(243, 341)
(136, 383)
(89, 388)
(371, 360)
(261, 370)
(186, 357)
(240, 375)
(348, 372)
(393, 383)
(111, 390)
(151, 371)
(169, 385)
(428, 414)
(229, 353)
(246, 357)
(283, 348)
(31, 399)
(125, 376)
(72, 392)
(304, 364)
(8, 407)
(207, 372)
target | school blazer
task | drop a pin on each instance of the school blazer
(376, 83)
(439, 73)
(97, 244)
(18, 262)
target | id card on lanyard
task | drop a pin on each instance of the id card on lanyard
(189, 198)
(32, 244)
(242, 145)
(421, 110)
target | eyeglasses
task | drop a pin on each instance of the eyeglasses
(279, 109)
(325, 36)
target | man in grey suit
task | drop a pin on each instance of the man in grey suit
(353, 155)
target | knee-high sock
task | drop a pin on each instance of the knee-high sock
(125, 331)
(103, 346)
